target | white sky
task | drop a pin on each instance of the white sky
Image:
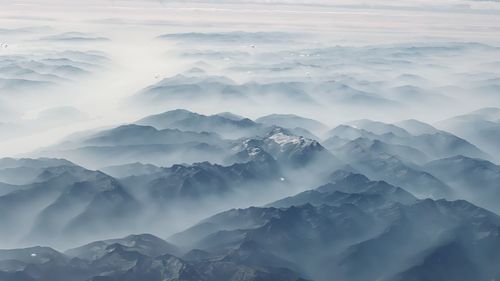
(132, 24)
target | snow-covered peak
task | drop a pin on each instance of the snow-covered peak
(282, 137)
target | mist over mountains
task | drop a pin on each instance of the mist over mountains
(342, 203)
(249, 141)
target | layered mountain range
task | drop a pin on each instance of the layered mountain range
(249, 140)
(281, 197)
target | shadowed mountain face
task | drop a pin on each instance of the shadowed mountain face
(64, 201)
(290, 243)
(145, 244)
(398, 153)
(190, 121)
(273, 156)
(471, 178)
(249, 140)
(135, 135)
(388, 162)
(135, 257)
(368, 217)
(132, 143)
(205, 179)
(25, 171)
(349, 188)
(435, 144)
(157, 154)
(354, 238)
(482, 127)
(70, 201)
(181, 136)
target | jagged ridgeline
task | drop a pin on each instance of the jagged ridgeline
(364, 200)
(249, 140)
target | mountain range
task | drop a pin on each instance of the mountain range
(364, 200)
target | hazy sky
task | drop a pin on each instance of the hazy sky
(136, 59)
